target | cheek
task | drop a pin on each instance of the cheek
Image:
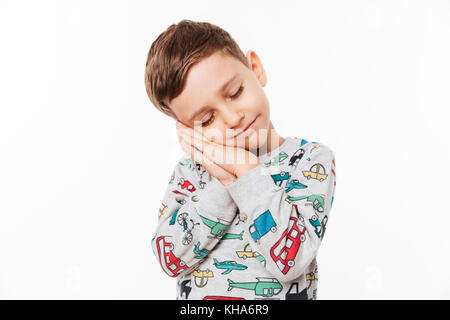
(214, 135)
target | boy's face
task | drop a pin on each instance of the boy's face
(221, 110)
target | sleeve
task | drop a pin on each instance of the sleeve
(288, 211)
(194, 215)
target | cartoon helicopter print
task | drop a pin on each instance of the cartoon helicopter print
(219, 230)
(265, 287)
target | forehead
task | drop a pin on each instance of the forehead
(204, 81)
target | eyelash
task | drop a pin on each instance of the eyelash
(237, 94)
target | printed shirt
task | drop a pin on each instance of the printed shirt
(255, 238)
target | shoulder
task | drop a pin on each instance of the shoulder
(310, 147)
(308, 155)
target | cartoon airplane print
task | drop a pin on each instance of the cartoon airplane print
(228, 265)
(284, 255)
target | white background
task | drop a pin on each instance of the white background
(85, 157)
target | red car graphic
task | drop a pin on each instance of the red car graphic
(185, 184)
(171, 265)
(284, 257)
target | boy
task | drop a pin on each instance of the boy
(245, 209)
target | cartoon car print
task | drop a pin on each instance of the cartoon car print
(317, 171)
(186, 184)
(162, 210)
(201, 277)
(277, 159)
(310, 277)
(219, 230)
(280, 177)
(171, 265)
(284, 256)
(185, 162)
(248, 253)
(315, 222)
(174, 217)
(265, 287)
(296, 157)
(261, 225)
(324, 225)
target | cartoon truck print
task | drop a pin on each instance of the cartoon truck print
(171, 265)
(284, 256)
(261, 225)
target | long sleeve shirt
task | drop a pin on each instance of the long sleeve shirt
(255, 238)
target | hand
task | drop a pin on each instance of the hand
(226, 163)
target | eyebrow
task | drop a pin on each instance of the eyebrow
(222, 89)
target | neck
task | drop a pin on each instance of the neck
(273, 141)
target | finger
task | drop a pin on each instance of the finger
(191, 133)
(212, 151)
(210, 166)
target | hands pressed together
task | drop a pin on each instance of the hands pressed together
(225, 163)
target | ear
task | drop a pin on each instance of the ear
(256, 66)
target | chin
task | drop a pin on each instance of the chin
(254, 142)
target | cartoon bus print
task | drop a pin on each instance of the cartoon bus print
(284, 256)
(171, 265)
(261, 225)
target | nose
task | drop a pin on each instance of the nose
(233, 118)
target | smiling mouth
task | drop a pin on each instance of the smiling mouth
(245, 128)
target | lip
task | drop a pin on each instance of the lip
(246, 129)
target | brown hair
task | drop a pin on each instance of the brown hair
(175, 51)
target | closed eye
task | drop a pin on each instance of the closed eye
(237, 94)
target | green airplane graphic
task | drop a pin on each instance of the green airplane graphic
(200, 254)
(266, 287)
(219, 229)
(229, 265)
(294, 184)
(317, 201)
